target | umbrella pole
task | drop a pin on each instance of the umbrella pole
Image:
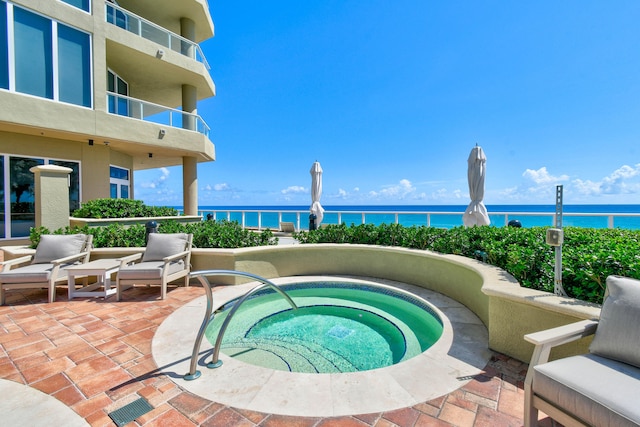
(558, 289)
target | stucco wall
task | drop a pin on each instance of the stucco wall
(508, 311)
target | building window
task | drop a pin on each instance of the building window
(119, 183)
(74, 66)
(44, 58)
(80, 4)
(115, 84)
(4, 47)
(17, 208)
(22, 213)
(33, 54)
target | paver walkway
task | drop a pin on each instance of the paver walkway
(95, 356)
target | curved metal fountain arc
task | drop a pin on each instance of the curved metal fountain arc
(208, 316)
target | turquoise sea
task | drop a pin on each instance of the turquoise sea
(444, 216)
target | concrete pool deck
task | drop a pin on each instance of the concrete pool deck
(94, 356)
(450, 363)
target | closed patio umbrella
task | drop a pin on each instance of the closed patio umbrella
(316, 191)
(476, 212)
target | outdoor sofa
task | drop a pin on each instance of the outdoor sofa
(601, 388)
(166, 258)
(48, 265)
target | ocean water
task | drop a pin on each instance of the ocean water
(443, 216)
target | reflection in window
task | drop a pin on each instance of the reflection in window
(22, 194)
(20, 214)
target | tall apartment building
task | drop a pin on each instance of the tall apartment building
(104, 88)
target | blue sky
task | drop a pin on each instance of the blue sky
(391, 96)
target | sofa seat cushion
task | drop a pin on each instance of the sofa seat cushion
(33, 273)
(597, 390)
(151, 270)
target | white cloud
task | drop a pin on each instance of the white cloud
(159, 181)
(620, 181)
(222, 187)
(542, 176)
(294, 189)
(397, 191)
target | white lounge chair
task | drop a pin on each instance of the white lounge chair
(287, 227)
(48, 265)
(596, 389)
(166, 258)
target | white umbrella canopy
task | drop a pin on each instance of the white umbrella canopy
(476, 212)
(316, 192)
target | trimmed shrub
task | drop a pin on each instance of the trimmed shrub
(589, 255)
(121, 208)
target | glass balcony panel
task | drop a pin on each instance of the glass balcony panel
(124, 19)
(147, 111)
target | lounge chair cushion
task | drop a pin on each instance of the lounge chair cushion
(618, 334)
(54, 246)
(598, 390)
(32, 273)
(148, 270)
(163, 245)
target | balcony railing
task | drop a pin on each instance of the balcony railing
(148, 30)
(150, 112)
(266, 218)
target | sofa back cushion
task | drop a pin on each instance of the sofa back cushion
(618, 334)
(163, 245)
(54, 246)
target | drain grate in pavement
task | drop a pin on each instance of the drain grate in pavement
(130, 412)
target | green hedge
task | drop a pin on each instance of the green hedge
(121, 208)
(589, 255)
(206, 234)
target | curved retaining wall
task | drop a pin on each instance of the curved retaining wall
(508, 310)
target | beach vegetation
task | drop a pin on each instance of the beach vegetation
(589, 255)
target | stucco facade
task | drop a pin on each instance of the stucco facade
(115, 88)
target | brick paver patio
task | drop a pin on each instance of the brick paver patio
(95, 356)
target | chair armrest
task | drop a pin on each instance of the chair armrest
(546, 340)
(563, 334)
(126, 260)
(174, 257)
(6, 265)
(69, 258)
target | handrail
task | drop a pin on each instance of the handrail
(144, 28)
(423, 217)
(208, 316)
(148, 111)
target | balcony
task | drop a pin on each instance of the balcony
(128, 21)
(154, 113)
